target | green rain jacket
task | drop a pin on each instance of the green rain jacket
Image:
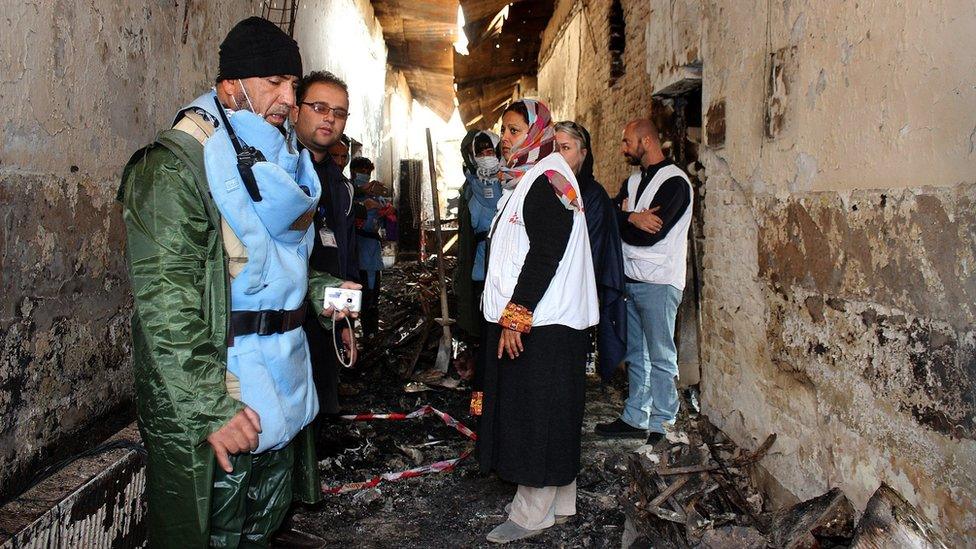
(180, 284)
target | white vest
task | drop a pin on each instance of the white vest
(571, 298)
(664, 262)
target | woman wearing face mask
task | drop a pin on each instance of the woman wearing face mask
(573, 143)
(476, 208)
(539, 299)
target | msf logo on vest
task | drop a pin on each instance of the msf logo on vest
(515, 220)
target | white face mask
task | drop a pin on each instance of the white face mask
(487, 166)
(250, 106)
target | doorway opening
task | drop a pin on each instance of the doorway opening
(677, 112)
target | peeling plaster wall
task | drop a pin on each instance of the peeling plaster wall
(839, 296)
(345, 38)
(396, 128)
(83, 85)
(556, 74)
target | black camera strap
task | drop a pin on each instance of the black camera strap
(247, 156)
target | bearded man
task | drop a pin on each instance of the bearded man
(218, 214)
(654, 214)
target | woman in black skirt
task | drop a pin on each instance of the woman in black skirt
(539, 300)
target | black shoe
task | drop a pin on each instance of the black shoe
(654, 438)
(618, 429)
(294, 538)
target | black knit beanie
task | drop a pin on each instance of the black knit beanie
(256, 47)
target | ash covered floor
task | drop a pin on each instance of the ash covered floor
(451, 509)
(694, 489)
(457, 508)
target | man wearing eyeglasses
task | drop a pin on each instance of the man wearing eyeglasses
(320, 119)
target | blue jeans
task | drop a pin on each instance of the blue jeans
(652, 358)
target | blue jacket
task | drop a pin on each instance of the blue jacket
(274, 371)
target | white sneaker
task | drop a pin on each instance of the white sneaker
(509, 531)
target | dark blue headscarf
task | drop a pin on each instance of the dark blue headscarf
(608, 265)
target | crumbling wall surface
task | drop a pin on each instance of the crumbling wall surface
(574, 75)
(839, 298)
(397, 116)
(82, 86)
(558, 75)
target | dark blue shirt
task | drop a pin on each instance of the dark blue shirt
(335, 214)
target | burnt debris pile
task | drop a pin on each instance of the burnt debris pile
(697, 489)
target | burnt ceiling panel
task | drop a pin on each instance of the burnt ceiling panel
(503, 46)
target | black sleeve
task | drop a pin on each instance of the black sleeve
(621, 194)
(618, 203)
(599, 212)
(548, 223)
(673, 197)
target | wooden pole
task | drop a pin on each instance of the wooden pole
(445, 349)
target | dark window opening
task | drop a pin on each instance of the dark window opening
(617, 41)
(281, 13)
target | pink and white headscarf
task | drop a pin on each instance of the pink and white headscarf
(539, 142)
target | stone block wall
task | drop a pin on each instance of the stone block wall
(574, 76)
(839, 251)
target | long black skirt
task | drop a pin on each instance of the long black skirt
(530, 429)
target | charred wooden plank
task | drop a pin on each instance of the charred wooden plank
(669, 491)
(890, 521)
(666, 514)
(687, 469)
(795, 527)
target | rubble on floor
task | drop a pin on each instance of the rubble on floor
(457, 508)
(409, 301)
(453, 509)
(695, 489)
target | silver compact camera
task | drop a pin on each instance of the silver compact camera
(343, 298)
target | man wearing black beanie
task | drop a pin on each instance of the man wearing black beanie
(259, 69)
(218, 215)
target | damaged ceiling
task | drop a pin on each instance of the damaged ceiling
(503, 46)
(420, 37)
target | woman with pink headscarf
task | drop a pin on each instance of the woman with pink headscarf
(539, 300)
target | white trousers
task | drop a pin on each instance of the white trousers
(536, 508)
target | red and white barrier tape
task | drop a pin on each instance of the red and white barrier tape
(437, 467)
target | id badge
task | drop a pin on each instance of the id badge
(489, 191)
(327, 238)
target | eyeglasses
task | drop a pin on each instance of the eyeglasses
(324, 108)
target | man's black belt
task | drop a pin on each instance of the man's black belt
(265, 322)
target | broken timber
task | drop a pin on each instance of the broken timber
(694, 490)
(890, 521)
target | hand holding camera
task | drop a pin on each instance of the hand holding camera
(346, 300)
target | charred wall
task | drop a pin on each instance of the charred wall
(838, 286)
(838, 299)
(83, 85)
